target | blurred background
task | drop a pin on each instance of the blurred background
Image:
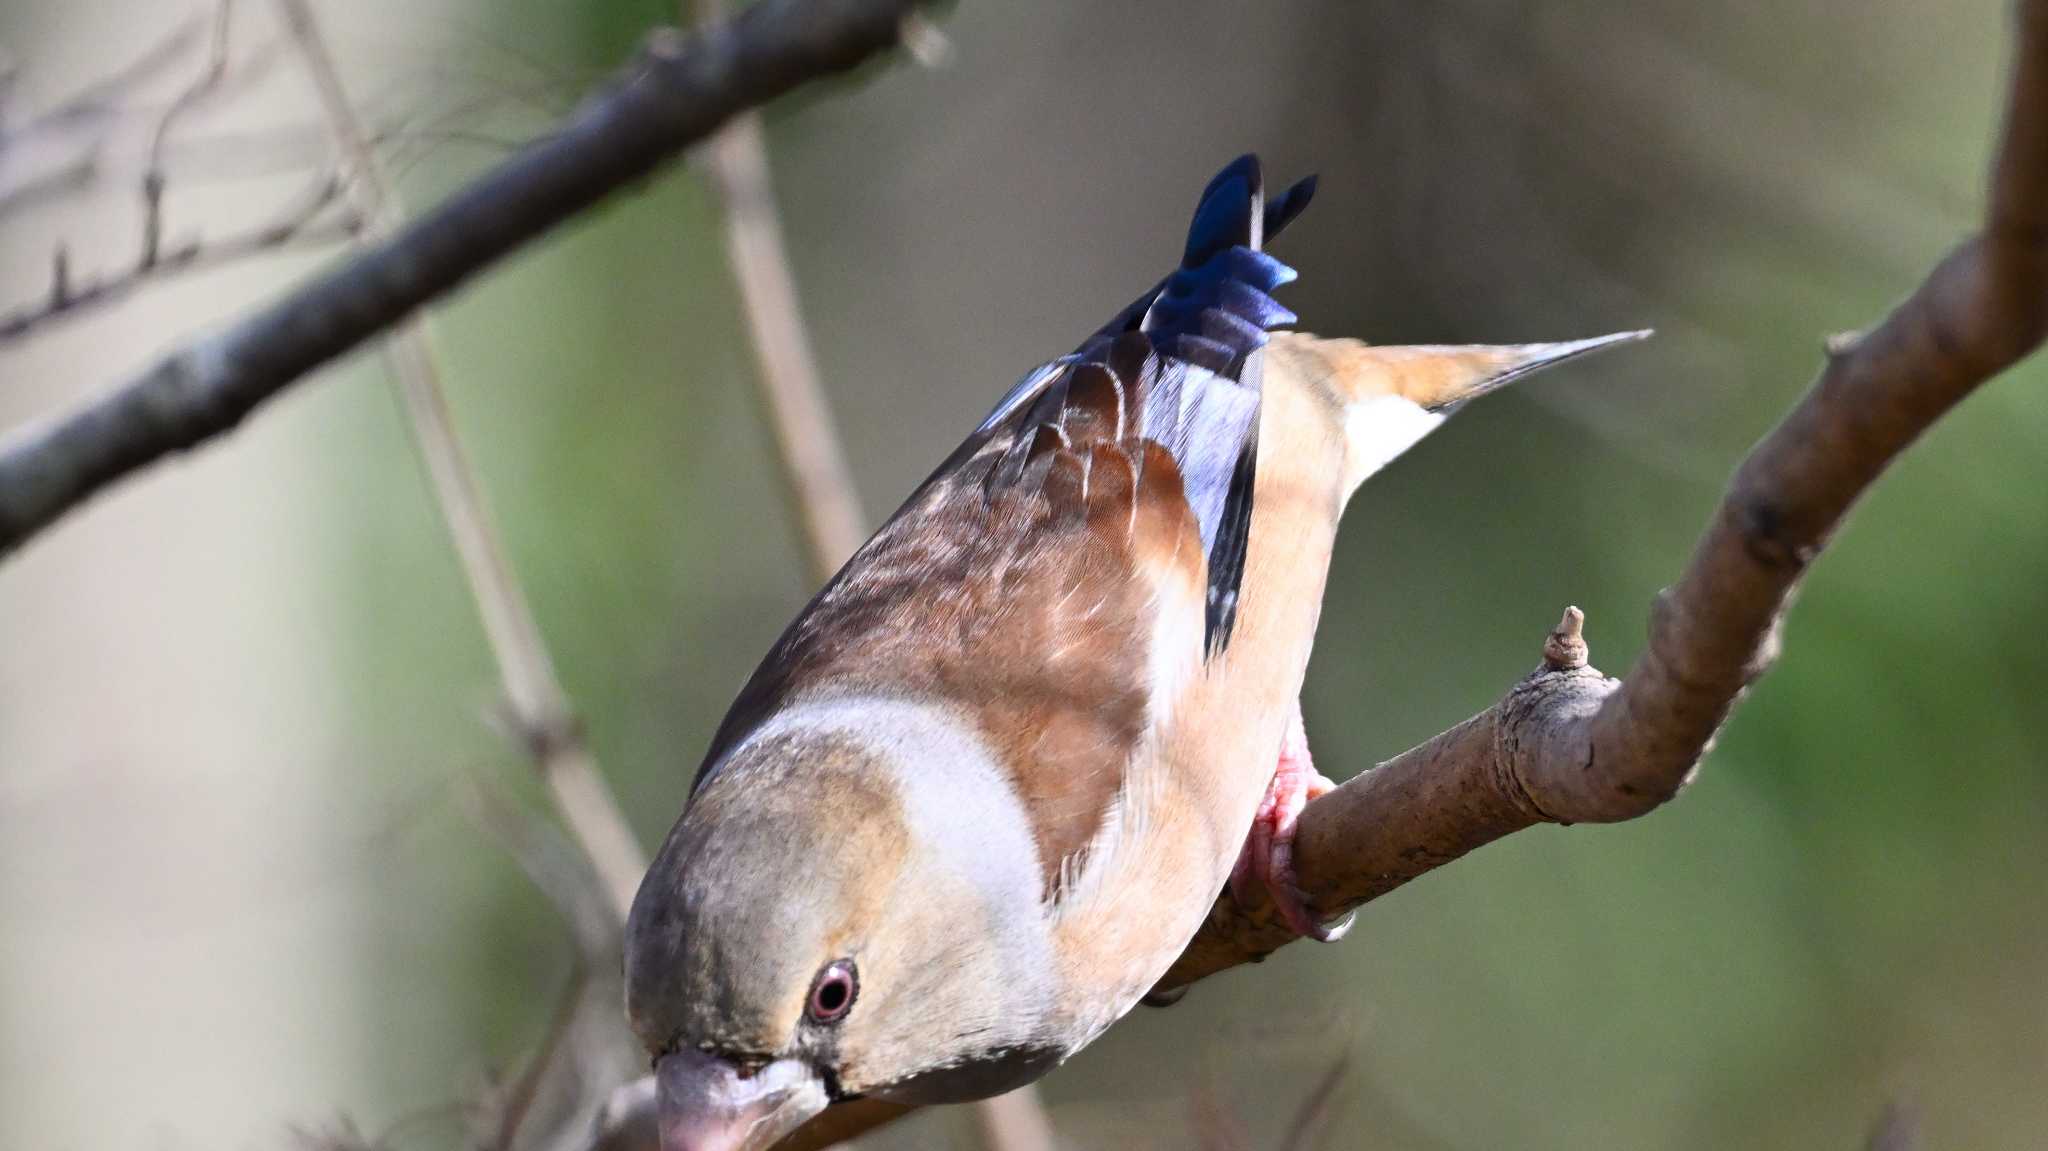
(238, 696)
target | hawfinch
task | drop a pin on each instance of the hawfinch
(987, 786)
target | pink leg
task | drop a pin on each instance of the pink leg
(1268, 856)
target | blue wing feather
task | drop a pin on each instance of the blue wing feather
(1203, 324)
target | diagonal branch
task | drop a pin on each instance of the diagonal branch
(1568, 745)
(539, 708)
(678, 92)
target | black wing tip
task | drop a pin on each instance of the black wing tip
(1227, 554)
(1277, 212)
(1282, 210)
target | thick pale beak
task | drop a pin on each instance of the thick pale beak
(707, 1104)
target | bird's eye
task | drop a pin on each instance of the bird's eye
(834, 991)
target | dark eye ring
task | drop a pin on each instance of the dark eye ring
(833, 992)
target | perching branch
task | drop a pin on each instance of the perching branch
(1569, 745)
(678, 92)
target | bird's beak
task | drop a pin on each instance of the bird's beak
(708, 1104)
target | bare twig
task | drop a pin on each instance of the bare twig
(562, 873)
(153, 177)
(59, 147)
(1315, 1108)
(567, 877)
(189, 158)
(539, 708)
(678, 92)
(297, 229)
(820, 485)
(99, 132)
(521, 1092)
(821, 491)
(73, 145)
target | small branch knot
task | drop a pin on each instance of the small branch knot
(1565, 648)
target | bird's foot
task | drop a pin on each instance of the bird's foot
(1268, 857)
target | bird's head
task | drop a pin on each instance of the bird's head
(827, 922)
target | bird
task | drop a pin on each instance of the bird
(990, 781)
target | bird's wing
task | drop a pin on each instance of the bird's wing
(1078, 557)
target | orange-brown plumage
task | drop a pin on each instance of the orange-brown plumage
(1003, 763)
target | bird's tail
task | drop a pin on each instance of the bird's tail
(1391, 397)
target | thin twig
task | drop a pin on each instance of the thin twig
(539, 708)
(818, 482)
(520, 1094)
(675, 95)
(557, 869)
(59, 147)
(1315, 1108)
(298, 229)
(153, 176)
(213, 158)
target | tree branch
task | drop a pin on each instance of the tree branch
(1568, 745)
(539, 707)
(822, 497)
(678, 92)
(820, 485)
